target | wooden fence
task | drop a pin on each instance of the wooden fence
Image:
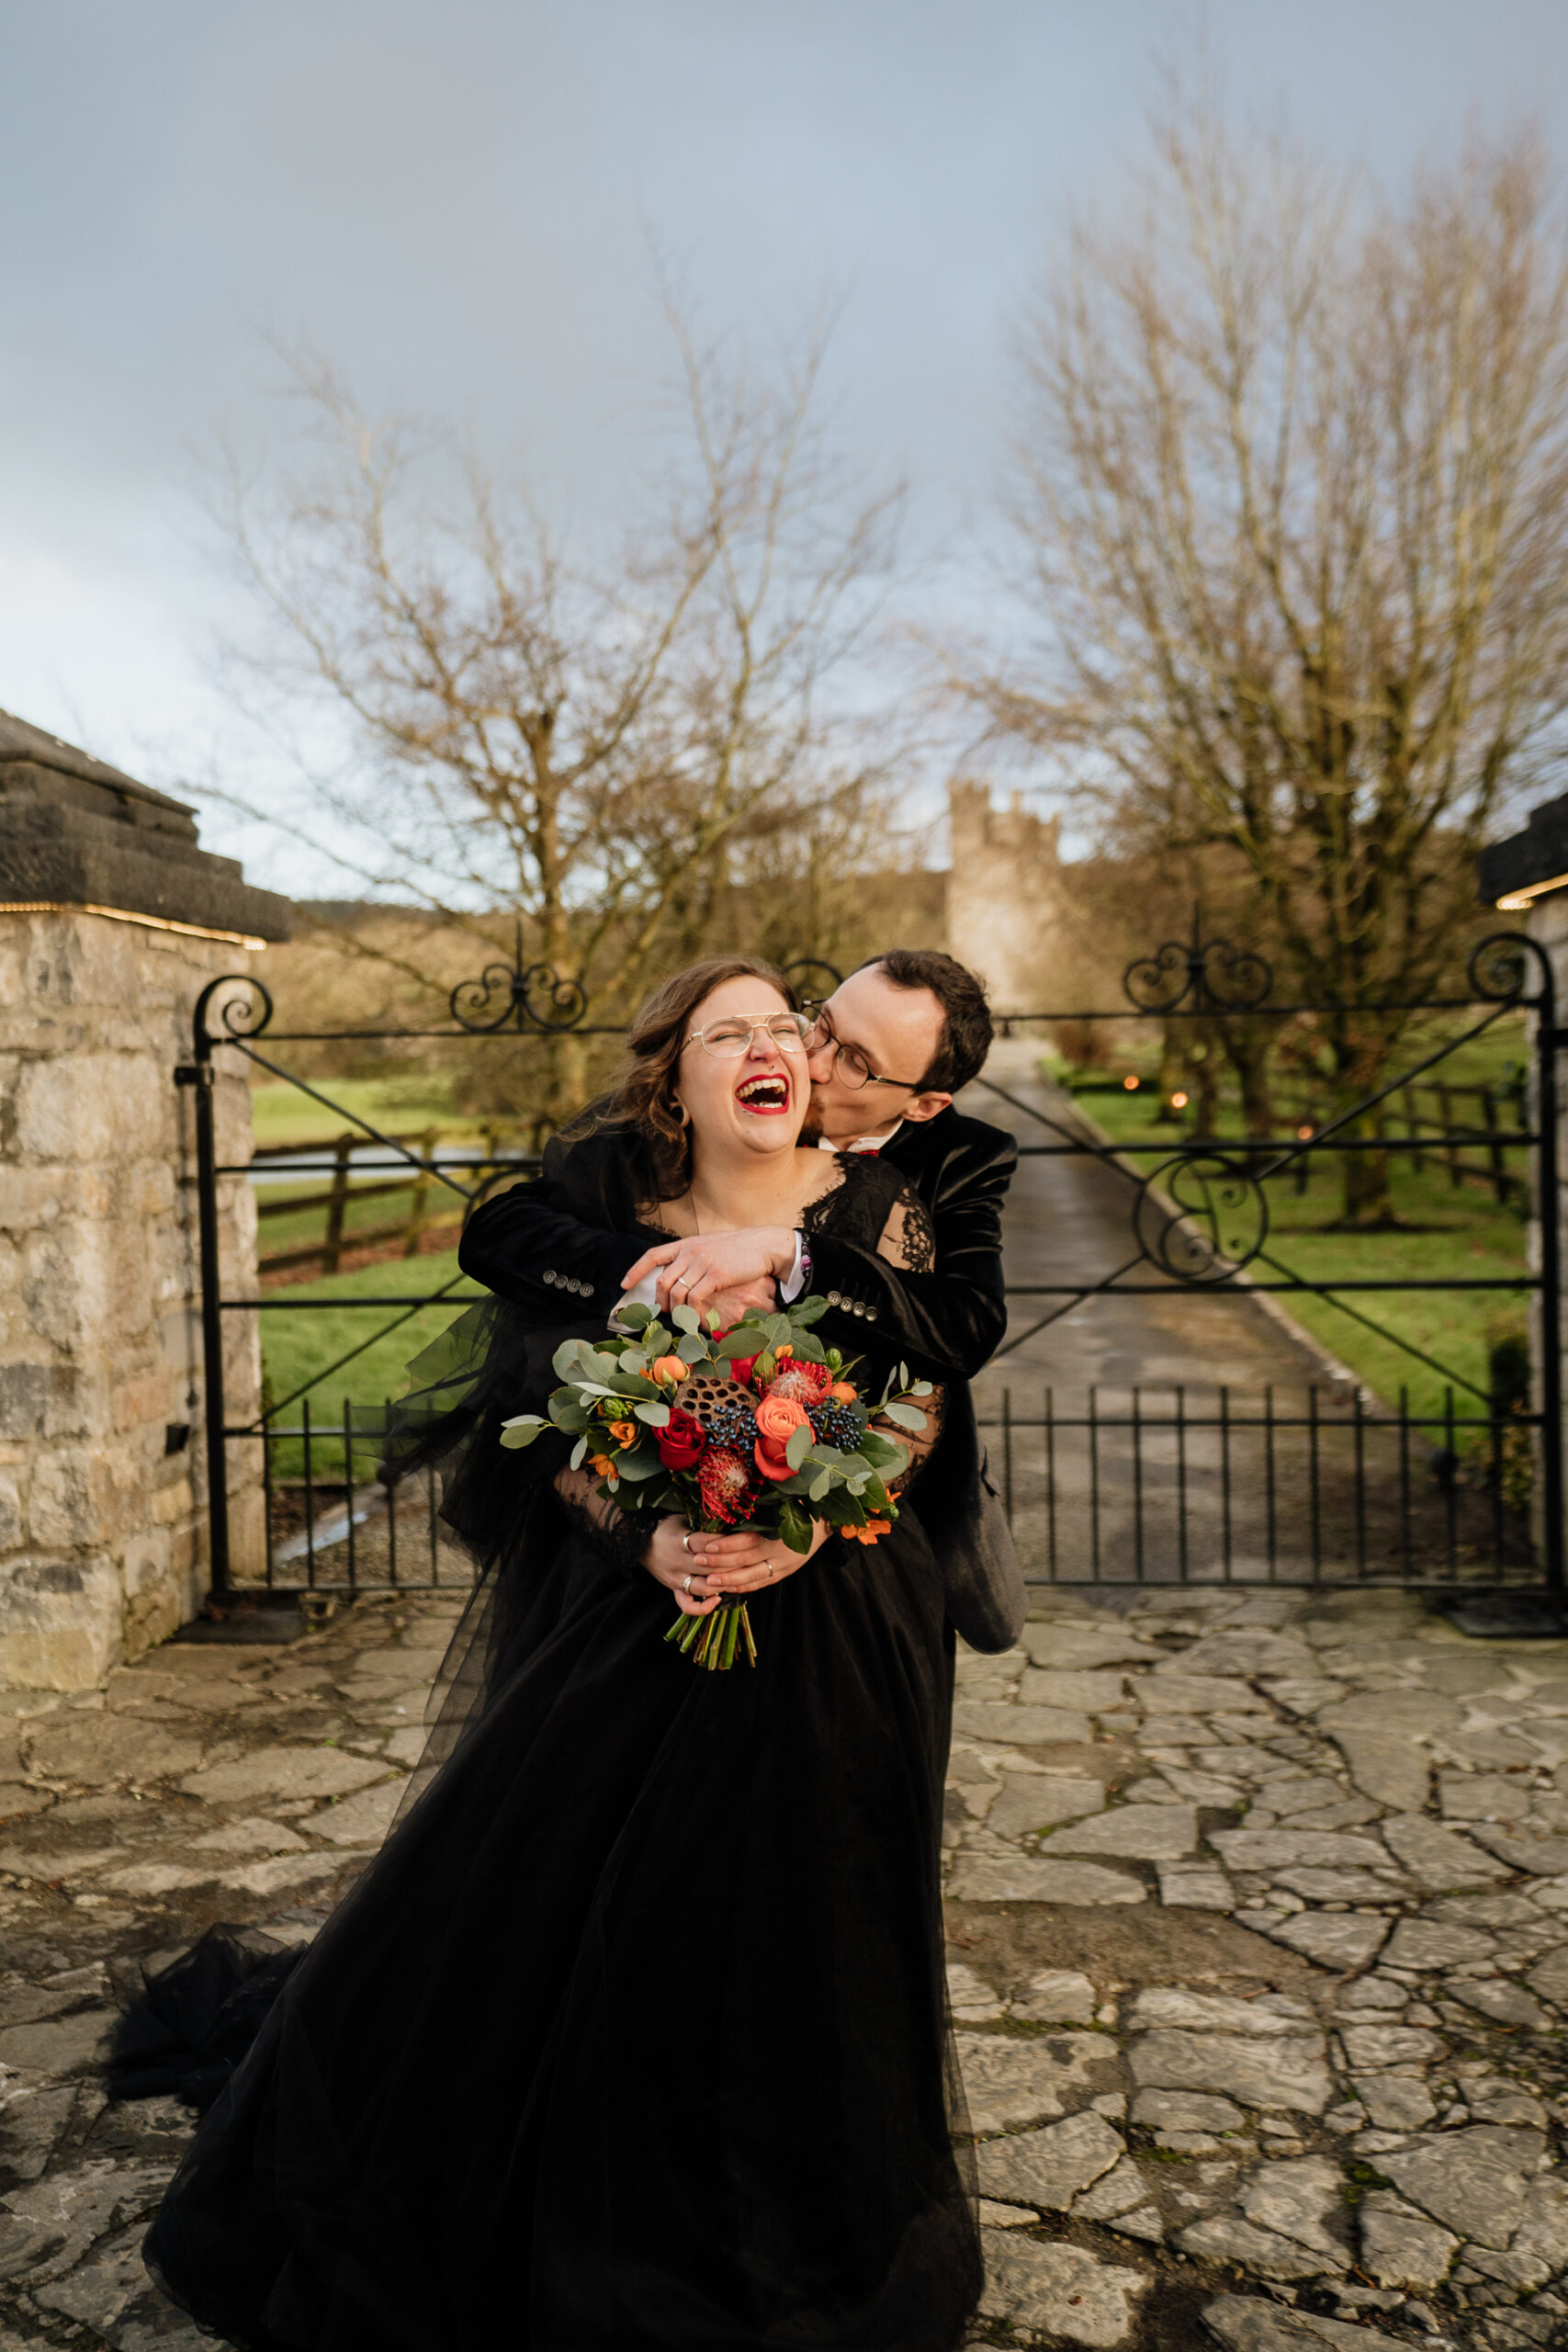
(430, 1205)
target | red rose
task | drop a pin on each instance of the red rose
(682, 1442)
(741, 1368)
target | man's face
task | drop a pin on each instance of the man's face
(895, 1032)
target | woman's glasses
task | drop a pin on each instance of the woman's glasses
(731, 1038)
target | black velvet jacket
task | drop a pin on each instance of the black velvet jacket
(533, 1245)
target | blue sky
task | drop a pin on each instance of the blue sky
(451, 198)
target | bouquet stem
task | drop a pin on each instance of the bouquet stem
(714, 1641)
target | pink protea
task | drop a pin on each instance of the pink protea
(725, 1485)
(802, 1384)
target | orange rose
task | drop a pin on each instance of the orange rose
(777, 1419)
(844, 1392)
(670, 1369)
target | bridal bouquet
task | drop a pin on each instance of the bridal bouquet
(756, 1427)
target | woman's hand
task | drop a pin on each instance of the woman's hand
(669, 1561)
(737, 1564)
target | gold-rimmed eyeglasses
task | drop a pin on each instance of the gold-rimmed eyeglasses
(732, 1037)
(848, 1062)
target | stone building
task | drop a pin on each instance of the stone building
(112, 920)
(1006, 900)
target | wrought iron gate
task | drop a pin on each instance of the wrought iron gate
(1176, 1482)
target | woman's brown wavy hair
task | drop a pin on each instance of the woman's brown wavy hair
(646, 1096)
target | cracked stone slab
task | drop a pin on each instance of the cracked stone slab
(1049, 2167)
(1248, 2323)
(1295, 2199)
(1009, 2082)
(361, 1819)
(1371, 2046)
(1035, 1727)
(60, 2045)
(1261, 2074)
(1174, 2004)
(1119, 2191)
(1091, 1693)
(1394, 2102)
(1473, 2180)
(1436, 1943)
(1141, 1833)
(284, 1771)
(1400, 2246)
(1060, 2291)
(1279, 1850)
(1387, 1767)
(1083, 1648)
(1186, 2112)
(1029, 1801)
(1550, 1977)
(1201, 1694)
(1538, 1856)
(1223, 2237)
(1341, 1940)
(1057, 1996)
(1188, 1886)
(92, 1749)
(985, 1878)
(1336, 1886)
(1538, 2248)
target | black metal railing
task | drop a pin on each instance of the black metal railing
(1183, 1484)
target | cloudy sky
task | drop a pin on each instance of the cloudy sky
(453, 199)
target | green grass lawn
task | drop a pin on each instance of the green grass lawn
(300, 1344)
(282, 1115)
(1452, 1235)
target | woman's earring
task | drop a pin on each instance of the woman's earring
(682, 1113)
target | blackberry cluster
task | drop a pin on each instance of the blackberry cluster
(837, 1425)
(732, 1423)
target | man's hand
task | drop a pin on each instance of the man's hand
(737, 1564)
(712, 1271)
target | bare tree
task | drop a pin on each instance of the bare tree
(1292, 497)
(584, 747)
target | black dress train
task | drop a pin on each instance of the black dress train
(633, 2035)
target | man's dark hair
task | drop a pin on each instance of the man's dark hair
(965, 1038)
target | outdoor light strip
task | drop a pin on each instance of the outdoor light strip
(120, 914)
(1517, 901)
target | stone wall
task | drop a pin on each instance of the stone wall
(1005, 898)
(102, 1441)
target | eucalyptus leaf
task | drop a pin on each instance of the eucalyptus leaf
(808, 1310)
(634, 1315)
(798, 1445)
(578, 1454)
(522, 1429)
(904, 1416)
(737, 1342)
(693, 1349)
(685, 1318)
(821, 1485)
(657, 1416)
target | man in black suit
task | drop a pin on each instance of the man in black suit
(890, 1049)
(892, 1045)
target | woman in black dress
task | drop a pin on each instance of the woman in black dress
(633, 2035)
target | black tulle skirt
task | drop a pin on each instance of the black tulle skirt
(633, 2035)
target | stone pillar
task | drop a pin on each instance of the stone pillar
(112, 920)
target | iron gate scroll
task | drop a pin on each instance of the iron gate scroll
(1159, 1487)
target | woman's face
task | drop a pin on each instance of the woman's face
(757, 1098)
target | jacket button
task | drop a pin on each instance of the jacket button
(550, 1276)
(860, 1306)
(834, 1299)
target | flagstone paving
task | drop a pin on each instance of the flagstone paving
(1258, 1913)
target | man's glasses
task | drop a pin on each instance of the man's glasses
(849, 1063)
(731, 1038)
